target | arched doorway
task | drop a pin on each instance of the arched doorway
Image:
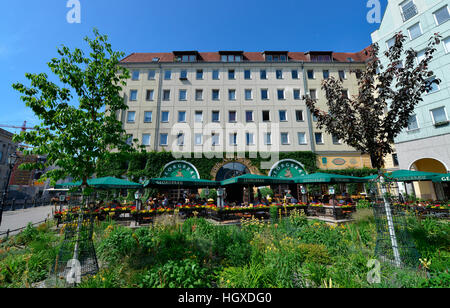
(429, 190)
(232, 170)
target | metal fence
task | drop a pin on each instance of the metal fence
(13, 205)
(11, 232)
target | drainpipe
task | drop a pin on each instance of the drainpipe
(158, 109)
(308, 113)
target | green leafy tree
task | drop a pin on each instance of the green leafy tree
(79, 124)
(371, 120)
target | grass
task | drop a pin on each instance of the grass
(290, 252)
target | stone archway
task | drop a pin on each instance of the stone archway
(243, 161)
(429, 190)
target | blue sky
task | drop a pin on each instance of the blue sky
(32, 30)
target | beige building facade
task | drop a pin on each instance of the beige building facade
(234, 101)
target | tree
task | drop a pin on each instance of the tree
(74, 137)
(371, 120)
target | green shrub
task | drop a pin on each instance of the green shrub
(118, 244)
(177, 274)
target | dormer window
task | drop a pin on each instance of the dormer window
(320, 56)
(231, 56)
(276, 56)
(186, 56)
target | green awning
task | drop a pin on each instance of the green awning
(254, 179)
(443, 178)
(327, 178)
(104, 183)
(407, 176)
(180, 182)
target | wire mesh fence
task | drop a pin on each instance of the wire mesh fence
(394, 243)
(77, 257)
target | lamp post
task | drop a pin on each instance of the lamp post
(12, 159)
(138, 196)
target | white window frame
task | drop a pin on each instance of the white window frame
(434, 15)
(150, 73)
(321, 138)
(195, 139)
(447, 50)
(185, 116)
(288, 139)
(417, 122)
(266, 134)
(268, 97)
(160, 139)
(251, 75)
(168, 116)
(432, 116)
(262, 116)
(232, 141)
(134, 117)
(168, 77)
(149, 140)
(235, 116)
(304, 138)
(218, 74)
(251, 94)
(253, 116)
(249, 142)
(212, 118)
(229, 94)
(218, 139)
(151, 117)
(313, 74)
(402, 4)
(138, 75)
(285, 113)
(284, 94)
(195, 116)
(136, 98)
(180, 137)
(185, 95)
(409, 31)
(218, 95)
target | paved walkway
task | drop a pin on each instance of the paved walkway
(13, 220)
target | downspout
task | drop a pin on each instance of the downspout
(308, 113)
(158, 109)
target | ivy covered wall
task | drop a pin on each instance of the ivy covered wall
(150, 164)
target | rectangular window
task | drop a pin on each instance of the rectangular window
(281, 94)
(198, 95)
(163, 139)
(263, 75)
(326, 74)
(283, 115)
(216, 116)
(247, 75)
(199, 116)
(146, 140)
(415, 31)
(215, 139)
(266, 115)
(181, 116)
(297, 94)
(215, 95)
(233, 139)
(133, 95)
(301, 138)
(409, 10)
(345, 93)
(439, 115)
(166, 95)
(319, 138)
(442, 15)
(148, 116)
(183, 75)
(311, 74)
(129, 139)
(420, 56)
(294, 74)
(390, 43)
(150, 95)
(168, 75)
(342, 75)
(412, 123)
(279, 74)
(232, 116)
(180, 139)
(198, 139)
(284, 138)
(248, 95)
(131, 116)
(299, 115)
(267, 138)
(232, 95)
(249, 138)
(447, 44)
(199, 74)
(135, 75)
(249, 116)
(151, 74)
(165, 116)
(336, 140)
(313, 93)
(264, 94)
(215, 75)
(395, 159)
(183, 95)
(434, 85)
(231, 75)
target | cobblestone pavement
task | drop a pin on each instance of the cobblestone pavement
(13, 220)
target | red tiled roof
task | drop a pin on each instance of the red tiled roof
(361, 56)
